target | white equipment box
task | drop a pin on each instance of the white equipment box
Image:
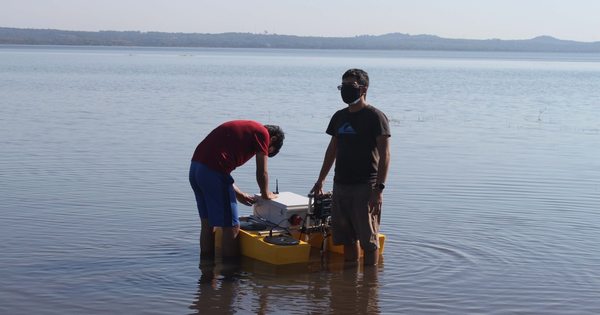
(281, 209)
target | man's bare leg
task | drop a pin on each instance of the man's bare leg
(230, 245)
(207, 239)
(351, 252)
(371, 258)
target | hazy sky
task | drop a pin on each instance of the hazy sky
(475, 19)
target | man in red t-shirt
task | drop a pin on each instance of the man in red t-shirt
(225, 148)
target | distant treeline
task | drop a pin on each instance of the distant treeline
(395, 41)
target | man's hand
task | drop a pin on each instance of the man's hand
(376, 201)
(317, 189)
(244, 198)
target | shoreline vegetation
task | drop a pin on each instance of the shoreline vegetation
(392, 41)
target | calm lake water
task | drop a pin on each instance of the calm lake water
(492, 202)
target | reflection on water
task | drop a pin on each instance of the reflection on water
(217, 288)
(253, 287)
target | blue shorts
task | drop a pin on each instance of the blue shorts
(215, 196)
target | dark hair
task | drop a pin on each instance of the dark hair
(360, 75)
(275, 131)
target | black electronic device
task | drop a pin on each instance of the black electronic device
(322, 206)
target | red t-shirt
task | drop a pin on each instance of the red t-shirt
(232, 144)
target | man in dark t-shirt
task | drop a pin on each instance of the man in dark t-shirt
(227, 147)
(359, 147)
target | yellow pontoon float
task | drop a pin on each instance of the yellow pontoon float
(284, 230)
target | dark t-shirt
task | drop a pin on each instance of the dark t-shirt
(232, 144)
(356, 133)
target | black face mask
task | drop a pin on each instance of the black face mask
(350, 94)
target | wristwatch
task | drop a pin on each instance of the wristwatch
(379, 186)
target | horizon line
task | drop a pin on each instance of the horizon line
(266, 33)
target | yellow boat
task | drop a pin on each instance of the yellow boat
(316, 241)
(254, 245)
(275, 248)
(284, 230)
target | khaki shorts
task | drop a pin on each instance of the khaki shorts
(351, 217)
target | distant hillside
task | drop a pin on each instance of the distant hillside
(395, 41)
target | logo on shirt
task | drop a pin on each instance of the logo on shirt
(346, 129)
